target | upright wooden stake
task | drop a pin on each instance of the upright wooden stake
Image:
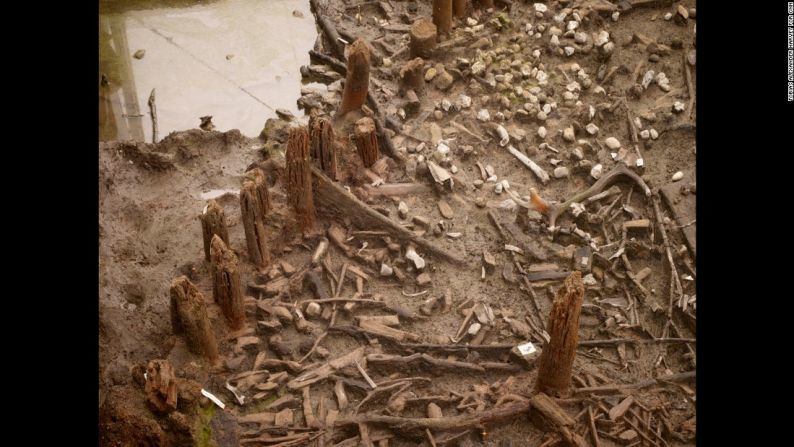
(367, 141)
(226, 286)
(299, 177)
(189, 317)
(357, 81)
(442, 15)
(413, 76)
(460, 7)
(323, 145)
(556, 360)
(254, 224)
(424, 36)
(213, 222)
(257, 175)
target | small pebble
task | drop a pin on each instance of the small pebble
(542, 132)
(438, 114)
(480, 202)
(678, 176)
(561, 172)
(478, 183)
(615, 16)
(597, 171)
(668, 16)
(483, 115)
(645, 134)
(678, 107)
(430, 74)
(139, 54)
(612, 143)
(402, 210)
(592, 129)
(654, 134)
(568, 135)
(569, 51)
(297, 14)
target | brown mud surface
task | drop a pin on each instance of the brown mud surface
(151, 196)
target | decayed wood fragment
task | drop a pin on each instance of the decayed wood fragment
(213, 222)
(161, 392)
(253, 219)
(322, 144)
(556, 360)
(366, 141)
(189, 317)
(357, 81)
(299, 177)
(423, 38)
(226, 286)
(442, 15)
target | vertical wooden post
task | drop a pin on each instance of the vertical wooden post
(442, 15)
(299, 177)
(357, 81)
(254, 224)
(366, 141)
(213, 222)
(189, 317)
(459, 8)
(556, 360)
(323, 145)
(412, 75)
(262, 191)
(226, 285)
(424, 36)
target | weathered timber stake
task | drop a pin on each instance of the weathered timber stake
(357, 81)
(299, 177)
(226, 287)
(257, 175)
(254, 224)
(189, 317)
(213, 222)
(322, 145)
(367, 141)
(556, 360)
(442, 15)
(424, 36)
(412, 75)
(459, 8)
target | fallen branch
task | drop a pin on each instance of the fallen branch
(537, 170)
(605, 389)
(606, 180)
(332, 197)
(466, 421)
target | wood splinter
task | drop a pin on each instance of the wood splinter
(556, 360)
(226, 285)
(299, 177)
(357, 81)
(189, 317)
(367, 141)
(213, 222)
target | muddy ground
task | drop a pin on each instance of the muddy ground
(151, 197)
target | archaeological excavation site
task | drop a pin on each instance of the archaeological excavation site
(344, 223)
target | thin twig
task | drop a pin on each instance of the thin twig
(153, 110)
